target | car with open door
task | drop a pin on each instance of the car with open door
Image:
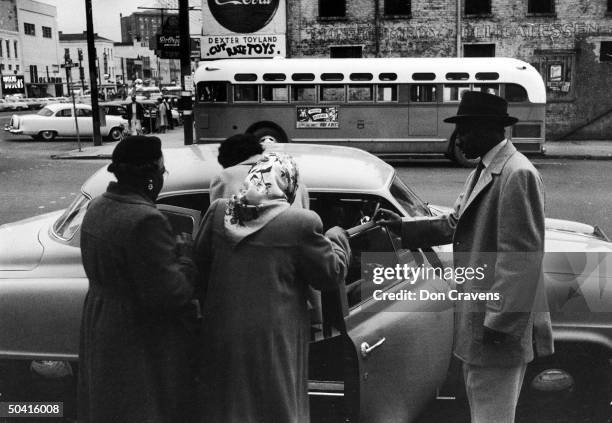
(370, 360)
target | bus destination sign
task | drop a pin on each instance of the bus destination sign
(317, 117)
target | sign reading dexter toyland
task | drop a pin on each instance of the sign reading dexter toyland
(243, 29)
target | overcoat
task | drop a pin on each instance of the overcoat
(139, 112)
(254, 353)
(500, 229)
(134, 336)
(162, 115)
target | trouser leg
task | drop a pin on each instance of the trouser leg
(493, 392)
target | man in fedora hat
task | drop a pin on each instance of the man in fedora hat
(497, 225)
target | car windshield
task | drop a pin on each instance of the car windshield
(409, 201)
(69, 222)
(45, 111)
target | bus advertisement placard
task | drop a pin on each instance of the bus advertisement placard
(317, 117)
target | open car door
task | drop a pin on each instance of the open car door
(379, 360)
(182, 220)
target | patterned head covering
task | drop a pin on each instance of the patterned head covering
(268, 190)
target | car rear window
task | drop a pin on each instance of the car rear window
(70, 221)
(45, 111)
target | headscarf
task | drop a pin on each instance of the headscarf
(268, 190)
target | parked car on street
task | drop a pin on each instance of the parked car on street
(57, 120)
(370, 361)
(12, 104)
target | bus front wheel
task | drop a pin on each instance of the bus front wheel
(269, 136)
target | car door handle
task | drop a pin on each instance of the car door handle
(367, 349)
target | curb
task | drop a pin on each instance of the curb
(576, 157)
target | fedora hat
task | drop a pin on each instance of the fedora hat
(479, 105)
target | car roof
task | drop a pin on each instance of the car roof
(322, 167)
(57, 106)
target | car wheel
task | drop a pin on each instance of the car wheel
(269, 136)
(47, 135)
(115, 134)
(458, 156)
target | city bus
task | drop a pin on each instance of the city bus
(391, 107)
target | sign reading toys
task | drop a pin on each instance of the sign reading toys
(13, 84)
(317, 117)
(243, 29)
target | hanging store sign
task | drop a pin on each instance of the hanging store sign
(13, 84)
(243, 29)
(243, 16)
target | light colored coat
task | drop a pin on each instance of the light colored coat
(254, 357)
(501, 228)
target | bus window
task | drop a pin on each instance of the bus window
(454, 92)
(274, 93)
(247, 92)
(212, 91)
(487, 88)
(331, 93)
(515, 93)
(423, 93)
(361, 92)
(303, 93)
(386, 93)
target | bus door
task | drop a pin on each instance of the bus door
(423, 116)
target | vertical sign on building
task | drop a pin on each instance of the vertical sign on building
(243, 29)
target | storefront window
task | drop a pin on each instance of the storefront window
(557, 70)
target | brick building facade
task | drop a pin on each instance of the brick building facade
(569, 41)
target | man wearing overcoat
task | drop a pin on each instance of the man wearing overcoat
(497, 225)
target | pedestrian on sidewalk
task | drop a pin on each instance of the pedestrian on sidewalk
(497, 225)
(162, 116)
(135, 116)
(169, 113)
(136, 329)
(257, 255)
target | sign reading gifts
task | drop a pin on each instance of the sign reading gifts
(243, 29)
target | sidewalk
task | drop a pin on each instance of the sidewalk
(577, 150)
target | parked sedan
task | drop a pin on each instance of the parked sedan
(370, 361)
(57, 120)
(12, 105)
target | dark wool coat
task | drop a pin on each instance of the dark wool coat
(134, 342)
(254, 356)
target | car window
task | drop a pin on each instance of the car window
(195, 201)
(45, 111)
(413, 205)
(70, 221)
(83, 113)
(64, 113)
(346, 210)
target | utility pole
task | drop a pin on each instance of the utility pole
(185, 46)
(91, 48)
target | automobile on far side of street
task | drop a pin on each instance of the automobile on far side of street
(57, 120)
(12, 104)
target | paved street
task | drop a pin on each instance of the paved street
(33, 183)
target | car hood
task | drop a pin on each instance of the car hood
(20, 246)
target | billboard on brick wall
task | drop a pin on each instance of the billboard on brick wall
(243, 28)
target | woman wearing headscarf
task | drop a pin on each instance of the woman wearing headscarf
(257, 255)
(134, 340)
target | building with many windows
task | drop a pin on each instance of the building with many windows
(39, 48)
(10, 54)
(71, 44)
(568, 41)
